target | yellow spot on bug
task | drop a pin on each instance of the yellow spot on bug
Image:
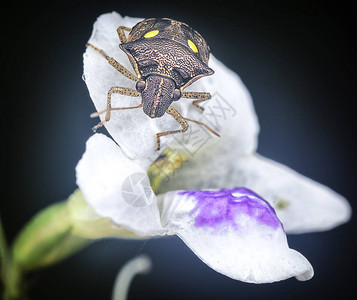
(151, 34)
(192, 46)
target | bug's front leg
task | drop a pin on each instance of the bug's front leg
(180, 119)
(183, 122)
(200, 96)
(116, 90)
(115, 64)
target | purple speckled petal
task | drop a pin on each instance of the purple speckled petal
(223, 207)
(302, 204)
(235, 232)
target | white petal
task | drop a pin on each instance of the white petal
(117, 187)
(131, 129)
(235, 232)
(301, 204)
(230, 111)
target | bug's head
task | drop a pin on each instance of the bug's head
(157, 94)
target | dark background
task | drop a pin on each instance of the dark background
(298, 61)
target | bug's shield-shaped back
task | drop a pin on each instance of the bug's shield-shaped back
(148, 57)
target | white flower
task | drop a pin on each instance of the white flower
(233, 230)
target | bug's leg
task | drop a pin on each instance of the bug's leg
(180, 119)
(116, 90)
(121, 33)
(200, 96)
(206, 126)
(115, 64)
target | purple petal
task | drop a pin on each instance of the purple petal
(235, 232)
(221, 208)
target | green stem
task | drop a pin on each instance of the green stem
(11, 273)
(4, 251)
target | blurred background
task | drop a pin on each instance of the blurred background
(298, 61)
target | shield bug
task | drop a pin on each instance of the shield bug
(167, 56)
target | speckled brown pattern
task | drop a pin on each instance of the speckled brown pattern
(167, 53)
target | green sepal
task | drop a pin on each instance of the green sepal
(87, 224)
(53, 234)
(61, 230)
(47, 238)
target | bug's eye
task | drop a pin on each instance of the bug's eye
(140, 86)
(176, 95)
(192, 46)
